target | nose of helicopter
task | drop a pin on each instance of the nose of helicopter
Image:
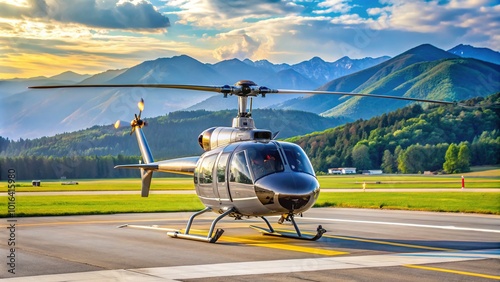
(295, 192)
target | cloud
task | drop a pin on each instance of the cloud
(245, 48)
(230, 14)
(334, 6)
(52, 56)
(428, 16)
(119, 33)
(110, 14)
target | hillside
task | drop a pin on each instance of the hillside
(171, 135)
(429, 130)
(448, 80)
(28, 113)
(424, 72)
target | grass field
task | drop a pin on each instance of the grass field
(457, 201)
(98, 204)
(487, 203)
(479, 179)
(125, 184)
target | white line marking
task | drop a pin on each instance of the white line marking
(266, 267)
(402, 224)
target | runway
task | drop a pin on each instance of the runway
(360, 245)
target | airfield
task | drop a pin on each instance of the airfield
(360, 245)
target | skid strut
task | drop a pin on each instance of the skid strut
(289, 217)
(209, 238)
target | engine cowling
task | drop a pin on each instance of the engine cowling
(220, 136)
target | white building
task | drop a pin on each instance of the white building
(348, 170)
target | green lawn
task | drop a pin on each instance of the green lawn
(406, 181)
(92, 204)
(464, 202)
(488, 203)
(392, 181)
(125, 184)
(457, 201)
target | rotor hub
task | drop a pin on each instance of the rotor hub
(246, 86)
(245, 83)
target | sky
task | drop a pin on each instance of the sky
(47, 37)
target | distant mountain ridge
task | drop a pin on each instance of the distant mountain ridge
(31, 113)
(483, 54)
(70, 76)
(421, 72)
(35, 113)
(316, 69)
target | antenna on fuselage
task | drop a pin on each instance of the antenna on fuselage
(250, 111)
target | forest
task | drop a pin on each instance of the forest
(446, 139)
(412, 139)
(177, 130)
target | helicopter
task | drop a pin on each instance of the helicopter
(244, 172)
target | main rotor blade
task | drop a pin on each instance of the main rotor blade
(288, 91)
(173, 86)
(255, 90)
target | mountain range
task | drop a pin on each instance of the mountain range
(187, 125)
(424, 71)
(421, 72)
(483, 54)
(35, 113)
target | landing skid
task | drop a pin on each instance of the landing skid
(271, 232)
(209, 238)
(174, 233)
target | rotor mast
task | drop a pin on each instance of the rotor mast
(244, 118)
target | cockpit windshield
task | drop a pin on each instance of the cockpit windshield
(264, 159)
(297, 158)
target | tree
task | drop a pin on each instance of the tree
(463, 158)
(388, 162)
(413, 159)
(398, 152)
(451, 158)
(361, 157)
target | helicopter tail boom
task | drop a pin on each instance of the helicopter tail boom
(184, 166)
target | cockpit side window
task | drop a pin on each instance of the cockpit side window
(205, 175)
(221, 168)
(239, 171)
(297, 159)
(264, 160)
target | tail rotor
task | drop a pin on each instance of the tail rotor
(137, 121)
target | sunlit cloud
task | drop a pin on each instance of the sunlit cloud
(18, 3)
(334, 6)
(433, 16)
(90, 36)
(135, 15)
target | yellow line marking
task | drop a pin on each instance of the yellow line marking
(389, 243)
(315, 251)
(453, 271)
(271, 242)
(265, 242)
